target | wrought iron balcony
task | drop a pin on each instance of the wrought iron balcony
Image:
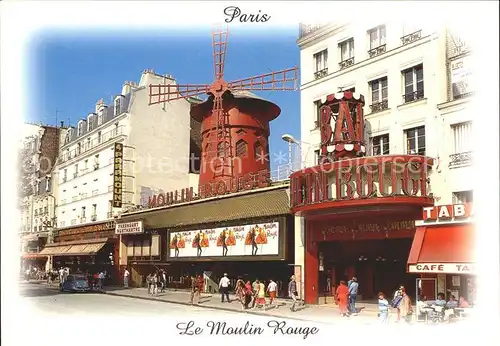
(377, 51)
(346, 63)
(460, 159)
(83, 219)
(321, 73)
(414, 96)
(379, 106)
(463, 96)
(93, 217)
(73, 222)
(306, 29)
(410, 38)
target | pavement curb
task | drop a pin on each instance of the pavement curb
(258, 313)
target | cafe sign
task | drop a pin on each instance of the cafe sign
(444, 268)
(88, 229)
(134, 227)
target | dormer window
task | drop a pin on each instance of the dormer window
(81, 127)
(100, 116)
(68, 137)
(90, 122)
(118, 106)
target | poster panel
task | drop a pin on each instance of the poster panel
(248, 240)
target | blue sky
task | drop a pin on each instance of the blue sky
(71, 71)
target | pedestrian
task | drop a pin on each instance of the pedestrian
(149, 282)
(164, 280)
(383, 308)
(260, 301)
(271, 290)
(224, 288)
(126, 275)
(248, 294)
(396, 301)
(241, 292)
(405, 308)
(100, 278)
(292, 292)
(353, 293)
(195, 291)
(341, 296)
(154, 284)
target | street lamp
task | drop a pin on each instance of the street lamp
(290, 140)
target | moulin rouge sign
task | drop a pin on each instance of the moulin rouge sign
(247, 182)
(360, 178)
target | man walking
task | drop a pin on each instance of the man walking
(224, 288)
(292, 292)
(353, 293)
(271, 290)
(126, 275)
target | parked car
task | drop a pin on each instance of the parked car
(76, 283)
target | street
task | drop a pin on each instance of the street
(82, 318)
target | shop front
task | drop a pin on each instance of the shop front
(86, 249)
(442, 253)
(359, 221)
(248, 234)
(31, 257)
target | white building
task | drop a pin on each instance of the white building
(153, 160)
(405, 73)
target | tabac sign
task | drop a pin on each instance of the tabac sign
(118, 176)
(453, 212)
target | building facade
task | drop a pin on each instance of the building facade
(406, 75)
(38, 205)
(93, 191)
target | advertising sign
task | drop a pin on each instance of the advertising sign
(446, 268)
(135, 227)
(118, 176)
(248, 240)
(461, 75)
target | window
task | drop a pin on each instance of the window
(76, 171)
(241, 148)
(321, 61)
(94, 212)
(80, 128)
(221, 150)
(87, 147)
(258, 152)
(65, 174)
(346, 50)
(379, 89)
(90, 122)
(99, 137)
(415, 141)
(462, 137)
(380, 145)
(118, 106)
(317, 156)
(99, 117)
(48, 184)
(96, 162)
(68, 137)
(79, 148)
(85, 164)
(317, 112)
(377, 37)
(463, 197)
(414, 83)
(83, 212)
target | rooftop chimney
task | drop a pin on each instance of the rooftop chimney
(62, 124)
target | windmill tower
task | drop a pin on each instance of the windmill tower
(234, 122)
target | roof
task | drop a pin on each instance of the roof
(258, 204)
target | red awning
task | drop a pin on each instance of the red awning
(443, 249)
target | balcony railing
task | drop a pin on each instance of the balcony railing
(377, 51)
(93, 217)
(460, 159)
(93, 144)
(73, 222)
(463, 96)
(306, 29)
(321, 73)
(83, 219)
(410, 38)
(110, 214)
(414, 96)
(379, 106)
(346, 63)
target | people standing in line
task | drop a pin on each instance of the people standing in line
(248, 294)
(292, 292)
(396, 301)
(224, 288)
(353, 293)
(195, 291)
(383, 308)
(241, 292)
(271, 290)
(126, 275)
(261, 296)
(342, 296)
(405, 308)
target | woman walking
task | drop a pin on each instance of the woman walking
(240, 292)
(248, 294)
(260, 301)
(383, 308)
(341, 297)
(396, 300)
(405, 308)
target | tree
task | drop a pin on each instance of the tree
(26, 170)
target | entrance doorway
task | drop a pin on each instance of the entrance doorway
(379, 265)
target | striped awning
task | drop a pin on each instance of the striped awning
(73, 250)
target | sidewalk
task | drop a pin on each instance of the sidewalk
(321, 314)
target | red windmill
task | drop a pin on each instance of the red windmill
(231, 117)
